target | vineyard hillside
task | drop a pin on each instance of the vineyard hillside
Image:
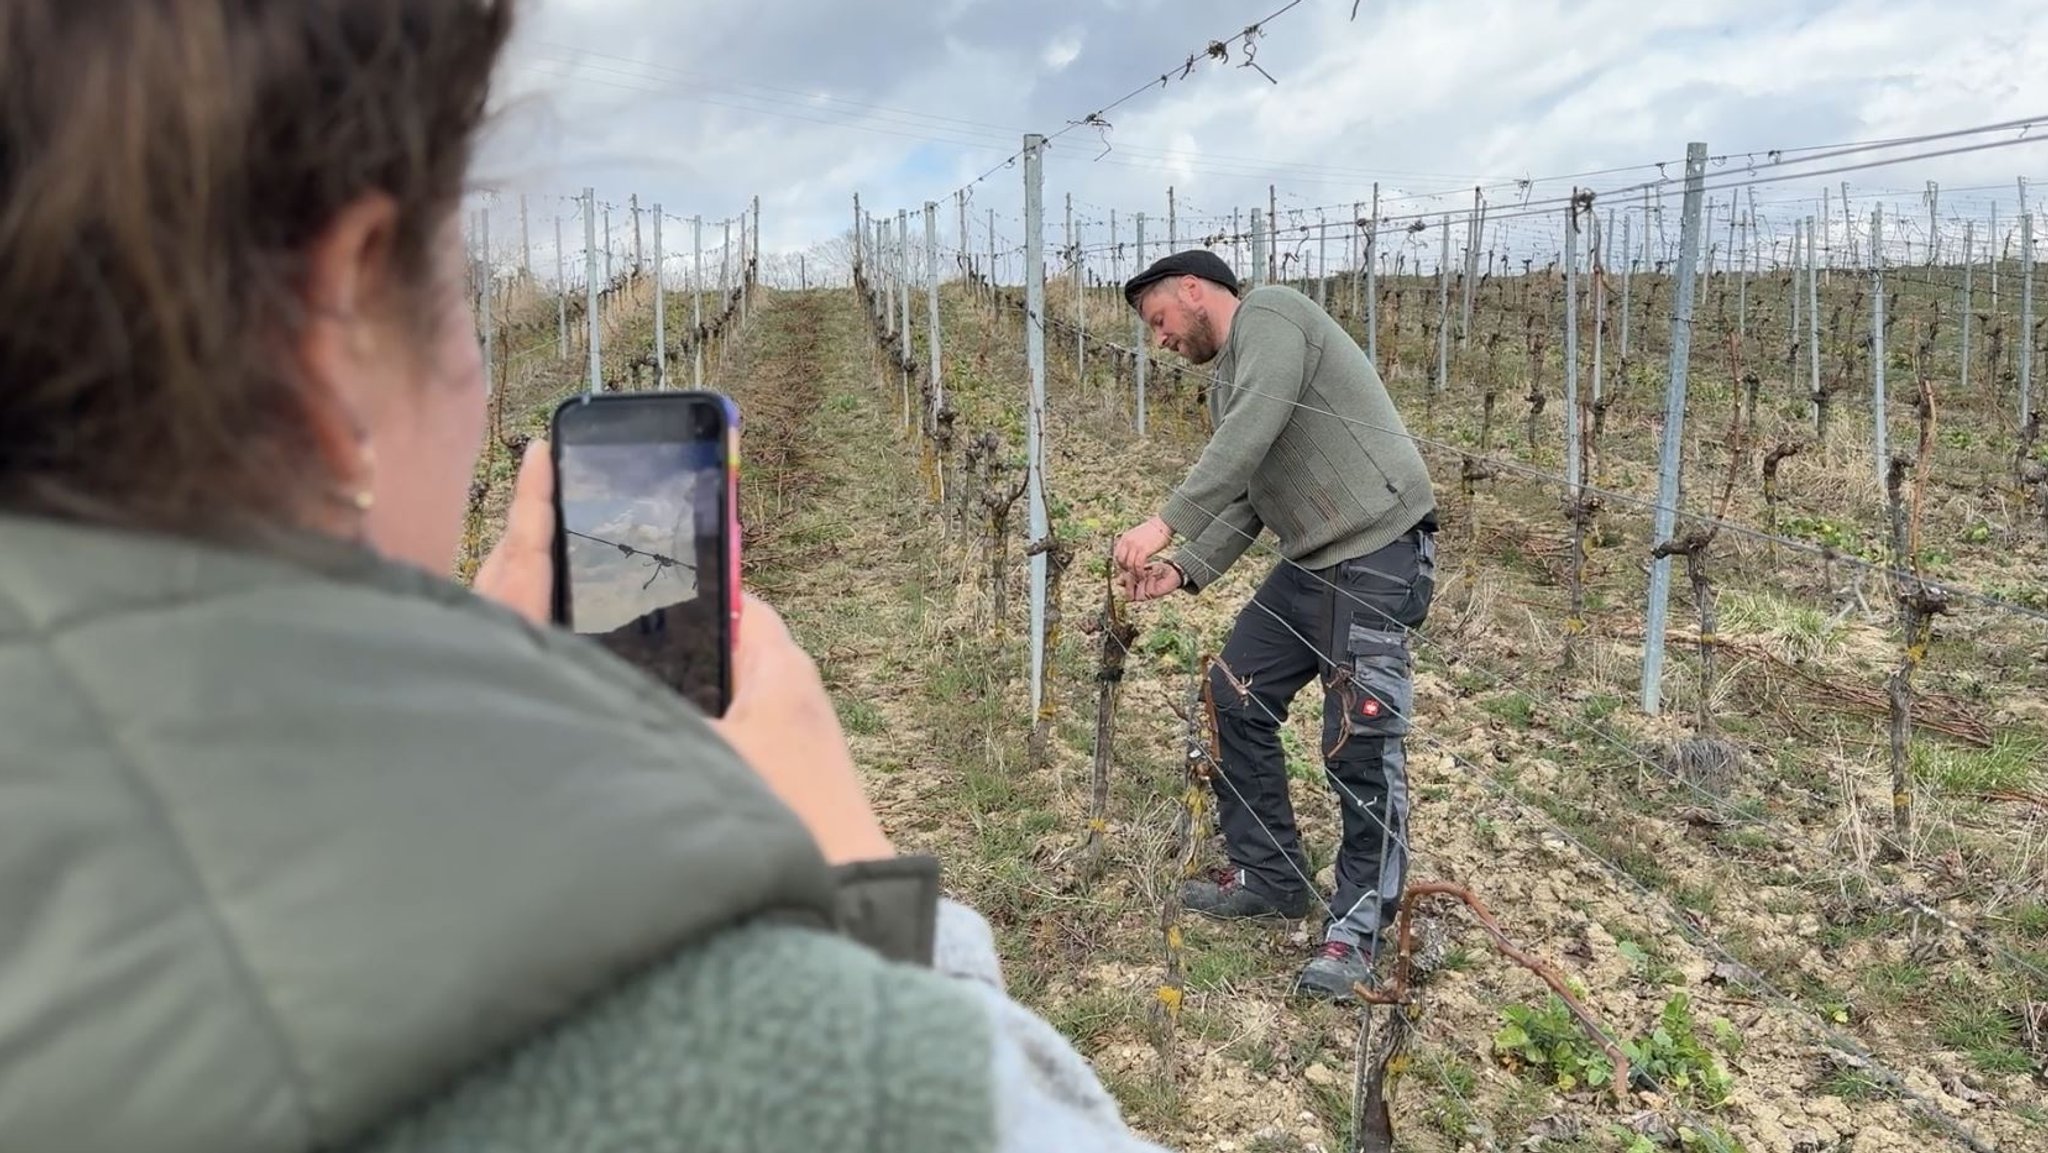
(1815, 926)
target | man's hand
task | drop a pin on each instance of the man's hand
(1157, 579)
(1138, 545)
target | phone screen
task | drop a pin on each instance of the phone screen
(643, 491)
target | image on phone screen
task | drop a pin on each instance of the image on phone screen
(645, 573)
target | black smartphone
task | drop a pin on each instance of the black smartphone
(647, 540)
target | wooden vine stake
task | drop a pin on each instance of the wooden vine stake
(1491, 396)
(1795, 350)
(1198, 718)
(2028, 473)
(1472, 470)
(997, 500)
(1117, 634)
(1919, 603)
(1058, 556)
(1536, 340)
(1581, 510)
(1773, 460)
(1372, 1104)
(967, 483)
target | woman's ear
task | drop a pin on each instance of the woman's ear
(345, 347)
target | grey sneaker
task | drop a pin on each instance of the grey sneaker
(1330, 974)
(1225, 897)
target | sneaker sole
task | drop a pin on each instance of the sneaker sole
(1318, 993)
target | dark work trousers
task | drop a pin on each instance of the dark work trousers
(1346, 626)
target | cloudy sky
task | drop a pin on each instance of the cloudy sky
(803, 103)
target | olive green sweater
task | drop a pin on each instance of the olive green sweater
(1307, 443)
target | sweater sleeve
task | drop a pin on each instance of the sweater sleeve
(1047, 1095)
(1272, 359)
(1207, 557)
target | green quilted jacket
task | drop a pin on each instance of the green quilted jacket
(302, 850)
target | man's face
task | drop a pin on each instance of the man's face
(1180, 323)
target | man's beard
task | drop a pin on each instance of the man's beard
(1200, 345)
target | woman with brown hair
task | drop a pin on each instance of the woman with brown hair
(303, 846)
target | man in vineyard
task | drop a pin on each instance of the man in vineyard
(1306, 443)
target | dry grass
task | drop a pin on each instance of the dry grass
(1763, 889)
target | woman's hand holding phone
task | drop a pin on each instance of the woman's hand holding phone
(781, 720)
(520, 572)
(783, 723)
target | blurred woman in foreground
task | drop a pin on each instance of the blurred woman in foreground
(303, 846)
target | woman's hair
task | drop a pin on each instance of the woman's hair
(162, 169)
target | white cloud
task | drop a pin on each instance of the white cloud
(1064, 50)
(703, 106)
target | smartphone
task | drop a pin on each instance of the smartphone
(647, 533)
